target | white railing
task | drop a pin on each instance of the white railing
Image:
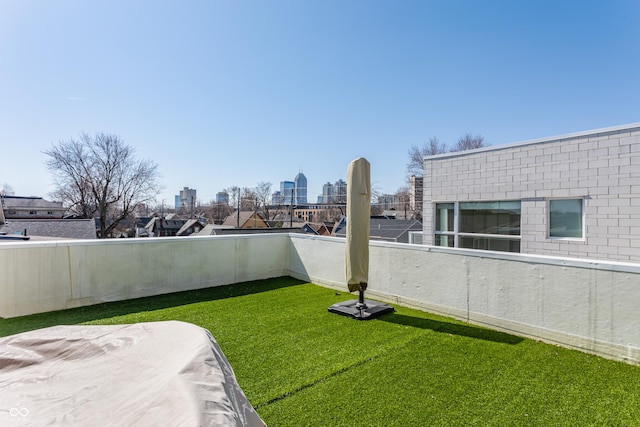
(585, 304)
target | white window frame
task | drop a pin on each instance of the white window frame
(453, 233)
(583, 231)
(456, 234)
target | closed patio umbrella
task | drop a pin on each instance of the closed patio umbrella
(357, 245)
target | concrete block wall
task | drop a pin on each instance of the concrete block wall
(602, 167)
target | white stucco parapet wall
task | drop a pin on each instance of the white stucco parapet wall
(45, 276)
(601, 167)
(584, 304)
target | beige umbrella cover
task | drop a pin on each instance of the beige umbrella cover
(358, 219)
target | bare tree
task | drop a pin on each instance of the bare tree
(403, 199)
(6, 189)
(249, 199)
(469, 142)
(216, 212)
(234, 196)
(100, 176)
(263, 193)
(416, 155)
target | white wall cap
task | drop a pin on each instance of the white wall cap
(614, 129)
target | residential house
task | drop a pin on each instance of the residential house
(51, 229)
(246, 219)
(18, 207)
(190, 227)
(163, 227)
(317, 228)
(385, 229)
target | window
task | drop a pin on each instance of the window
(445, 224)
(565, 218)
(491, 226)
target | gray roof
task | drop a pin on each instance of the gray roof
(391, 230)
(224, 231)
(18, 202)
(243, 218)
(210, 229)
(53, 228)
(187, 225)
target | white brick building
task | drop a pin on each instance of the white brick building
(576, 195)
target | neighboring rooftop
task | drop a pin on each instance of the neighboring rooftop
(246, 219)
(386, 229)
(223, 230)
(51, 229)
(18, 207)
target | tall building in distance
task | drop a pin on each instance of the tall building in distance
(327, 193)
(287, 189)
(339, 192)
(222, 197)
(276, 198)
(334, 193)
(387, 201)
(300, 189)
(415, 193)
(187, 198)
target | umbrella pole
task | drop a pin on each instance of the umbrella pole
(361, 305)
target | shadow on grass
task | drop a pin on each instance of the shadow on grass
(74, 316)
(452, 328)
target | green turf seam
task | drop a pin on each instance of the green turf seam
(316, 382)
(335, 374)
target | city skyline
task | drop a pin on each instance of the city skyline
(224, 94)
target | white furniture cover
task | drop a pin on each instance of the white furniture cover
(146, 374)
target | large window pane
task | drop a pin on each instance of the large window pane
(565, 218)
(444, 216)
(444, 240)
(489, 244)
(490, 217)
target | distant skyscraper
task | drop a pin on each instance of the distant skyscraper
(327, 192)
(222, 197)
(386, 201)
(300, 183)
(339, 192)
(276, 198)
(287, 189)
(415, 192)
(187, 198)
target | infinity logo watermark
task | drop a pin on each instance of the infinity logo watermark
(18, 412)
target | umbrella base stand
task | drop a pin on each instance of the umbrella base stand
(361, 309)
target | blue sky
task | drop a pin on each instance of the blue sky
(223, 93)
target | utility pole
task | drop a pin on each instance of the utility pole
(238, 218)
(291, 210)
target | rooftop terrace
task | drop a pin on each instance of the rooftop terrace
(300, 365)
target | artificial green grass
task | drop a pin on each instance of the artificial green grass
(300, 365)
